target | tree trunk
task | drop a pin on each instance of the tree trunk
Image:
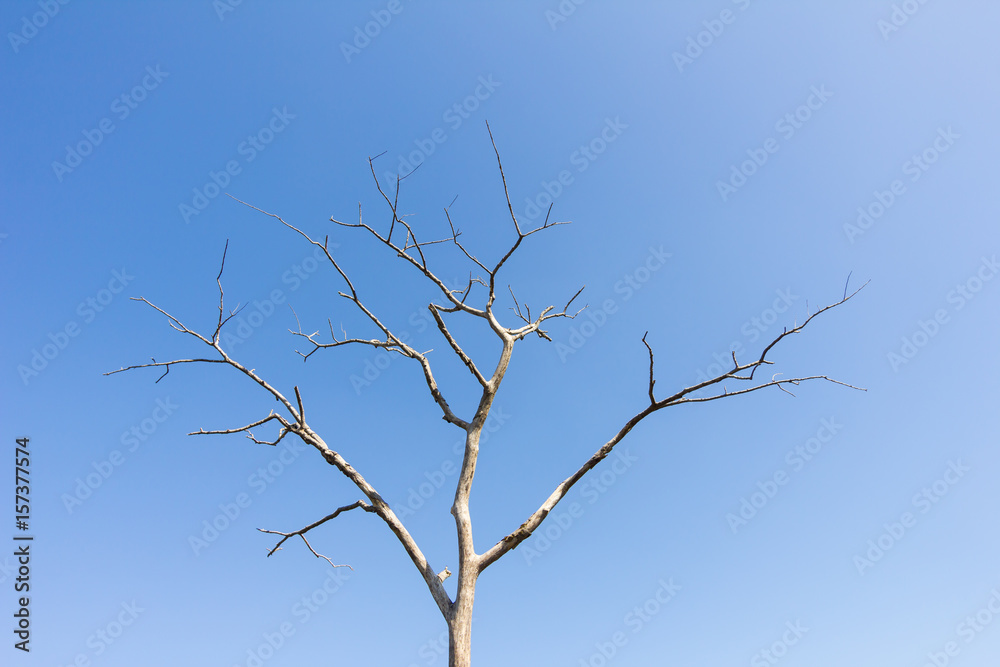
(460, 621)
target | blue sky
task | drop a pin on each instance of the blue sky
(726, 166)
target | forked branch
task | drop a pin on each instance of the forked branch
(286, 427)
(301, 532)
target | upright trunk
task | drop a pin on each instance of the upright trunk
(460, 626)
(459, 616)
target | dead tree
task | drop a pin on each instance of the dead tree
(401, 240)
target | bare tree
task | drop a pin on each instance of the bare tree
(402, 241)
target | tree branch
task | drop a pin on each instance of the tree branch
(652, 399)
(301, 532)
(547, 314)
(525, 530)
(455, 346)
(285, 427)
(517, 227)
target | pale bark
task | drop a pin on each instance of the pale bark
(457, 613)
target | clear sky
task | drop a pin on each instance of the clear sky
(726, 166)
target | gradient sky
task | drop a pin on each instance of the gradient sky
(771, 149)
